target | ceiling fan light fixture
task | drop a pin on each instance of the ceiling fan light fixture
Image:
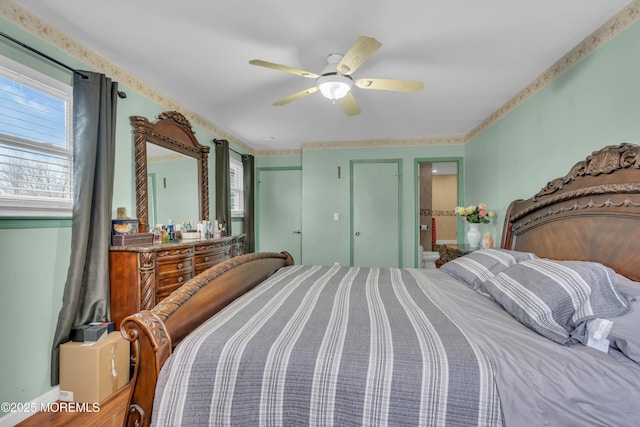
(335, 80)
(334, 86)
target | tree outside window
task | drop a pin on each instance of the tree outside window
(237, 188)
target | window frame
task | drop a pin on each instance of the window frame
(237, 187)
(33, 207)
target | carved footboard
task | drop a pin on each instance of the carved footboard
(154, 333)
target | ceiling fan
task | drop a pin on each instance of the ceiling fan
(335, 80)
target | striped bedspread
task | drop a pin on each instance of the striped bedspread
(323, 346)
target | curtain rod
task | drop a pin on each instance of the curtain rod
(55, 61)
(217, 142)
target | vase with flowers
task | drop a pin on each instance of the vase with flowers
(474, 215)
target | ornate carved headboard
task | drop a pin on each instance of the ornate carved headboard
(590, 214)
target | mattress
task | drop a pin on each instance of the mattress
(330, 345)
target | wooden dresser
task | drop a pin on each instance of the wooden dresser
(141, 276)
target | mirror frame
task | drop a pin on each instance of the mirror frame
(172, 131)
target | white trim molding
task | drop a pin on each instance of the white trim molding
(67, 44)
(278, 153)
(393, 142)
(620, 22)
(608, 31)
(13, 418)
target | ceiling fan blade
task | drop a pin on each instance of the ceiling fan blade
(390, 84)
(285, 68)
(296, 96)
(350, 105)
(359, 52)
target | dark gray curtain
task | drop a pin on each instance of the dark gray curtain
(223, 184)
(249, 216)
(86, 291)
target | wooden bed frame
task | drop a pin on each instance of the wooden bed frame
(154, 333)
(591, 214)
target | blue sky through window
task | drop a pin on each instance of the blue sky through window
(30, 114)
(35, 153)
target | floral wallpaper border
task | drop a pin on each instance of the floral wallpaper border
(65, 43)
(608, 31)
(431, 212)
(597, 39)
(445, 140)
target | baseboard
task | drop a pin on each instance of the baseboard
(13, 418)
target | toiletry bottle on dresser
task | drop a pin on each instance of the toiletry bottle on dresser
(157, 235)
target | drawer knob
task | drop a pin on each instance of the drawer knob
(180, 266)
(206, 259)
(180, 279)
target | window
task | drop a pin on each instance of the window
(237, 188)
(35, 143)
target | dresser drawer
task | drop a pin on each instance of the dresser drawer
(171, 275)
(174, 253)
(207, 260)
(180, 264)
(170, 282)
(142, 276)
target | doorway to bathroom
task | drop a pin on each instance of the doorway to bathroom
(438, 192)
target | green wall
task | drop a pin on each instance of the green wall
(124, 180)
(34, 268)
(325, 241)
(34, 256)
(594, 104)
(278, 161)
(176, 193)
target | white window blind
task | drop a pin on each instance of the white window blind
(35, 143)
(237, 188)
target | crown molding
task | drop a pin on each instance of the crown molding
(608, 31)
(276, 153)
(46, 32)
(165, 158)
(392, 142)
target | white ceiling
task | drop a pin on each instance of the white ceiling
(473, 56)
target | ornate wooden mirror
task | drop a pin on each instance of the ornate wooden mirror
(172, 131)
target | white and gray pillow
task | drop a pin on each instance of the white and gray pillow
(555, 297)
(625, 333)
(479, 266)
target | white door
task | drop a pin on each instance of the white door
(279, 199)
(375, 210)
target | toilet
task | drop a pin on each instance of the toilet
(427, 259)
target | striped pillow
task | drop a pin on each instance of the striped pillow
(625, 333)
(554, 297)
(479, 266)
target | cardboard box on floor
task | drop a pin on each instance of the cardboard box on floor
(90, 373)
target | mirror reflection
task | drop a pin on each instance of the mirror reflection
(172, 171)
(172, 180)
